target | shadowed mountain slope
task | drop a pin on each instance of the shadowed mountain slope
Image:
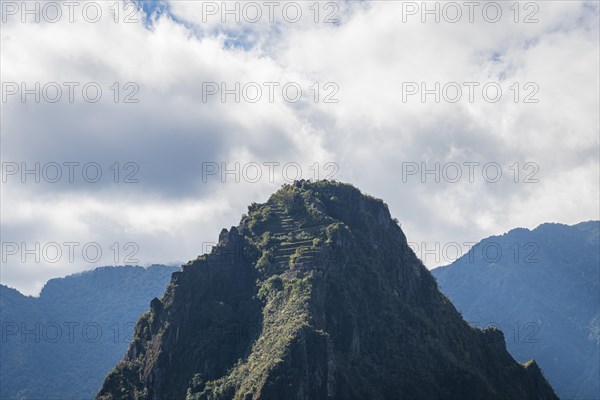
(62, 344)
(314, 295)
(542, 289)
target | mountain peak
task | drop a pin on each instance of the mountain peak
(315, 294)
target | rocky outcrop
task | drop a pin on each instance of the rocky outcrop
(315, 295)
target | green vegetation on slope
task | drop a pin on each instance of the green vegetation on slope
(314, 295)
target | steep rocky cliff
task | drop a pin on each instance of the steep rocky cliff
(314, 295)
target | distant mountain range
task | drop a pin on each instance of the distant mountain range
(316, 294)
(62, 344)
(543, 291)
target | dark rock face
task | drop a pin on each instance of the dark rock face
(542, 288)
(314, 295)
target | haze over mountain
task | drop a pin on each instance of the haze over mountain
(62, 344)
(315, 294)
(542, 290)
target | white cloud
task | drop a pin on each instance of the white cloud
(370, 132)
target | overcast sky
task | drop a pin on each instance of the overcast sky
(386, 92)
